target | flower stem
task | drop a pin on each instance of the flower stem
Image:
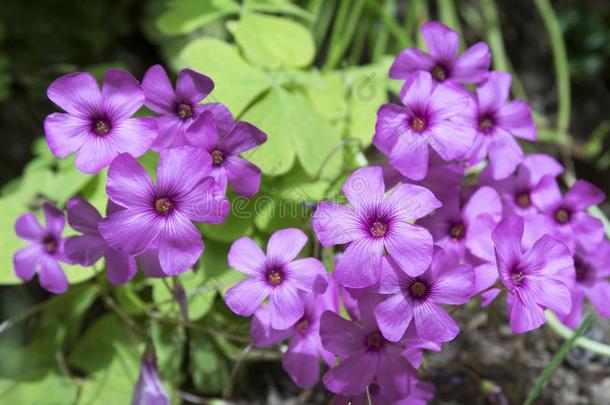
(596, 347)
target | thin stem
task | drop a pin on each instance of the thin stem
(560, 59)
(596, 347)
(342, 35)
(401, 34)
(448, 15)
(496, 43)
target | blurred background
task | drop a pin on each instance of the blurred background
(41, 40)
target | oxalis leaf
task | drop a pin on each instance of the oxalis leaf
(273, 42)
(184, 16)
(294, 128)
(237, 83)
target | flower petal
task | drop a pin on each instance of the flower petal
(516, 118)
(307, 274)
(524, 314)
(410, 246)
(132, 230)
(335, 224)
(507, 240)
(205, 202)
(286, 306)
(285, 244)
(134, 136)
(26, 260)
(472, 65)
(86, 249)
(159, 92)
(547, 257)
(583, 195)
(352, 375)
(410, 156)
(77, 93)
(181, 169)
(66, 133)
(340, 336)
(192, 86)
(394, 316)
(51, 276)
(410, 60)
(246, 257)
(454, 285)
(360, 265)
(180, 245)
(28, 228)
(550, 293)
(202, 132)
(441, 41)
(121, 267)
(301, 361)
(588, 231)
(244, 136)
(505, 154)
(494, 91)
(244, 177)
(82, 216)
(433, 323)
(122, 95)
(55, 219)
(452, 139)
(392, 121)
(599, 295)
(169, 128)
(413, 202)
(245, 297)
(546, 196)
(484, 201)
(364, 186)
(128, 183)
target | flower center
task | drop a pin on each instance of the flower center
(418, 124)
(517, 276)
(457, 231)
(379, 229)
(523, 200)
(184, 111)
(101, 127)
(302, 325)
(439, 73)
(374, 340)
(486, 124)
(562, 216)
(274, 277)
(50, 244)
(418, 289)
(217, 157)
(163, 206)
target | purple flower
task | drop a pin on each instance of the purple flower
(458, 230)
(443, 62)
(90, 247)
(366, 356)
(98, 125)
(374, 224)
(419, 393)
(179, 108)
(276, 275)
(517, 190)
(565, 217)
(416, 300)
(497, 122)
(46, 250)
(433, 115)
(149, 389)
(159, 216)
(534, 277)
(301, 360)
(591, 281)
(224, 144)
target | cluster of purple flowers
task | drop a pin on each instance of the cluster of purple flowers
(150, 223)
(425, 231)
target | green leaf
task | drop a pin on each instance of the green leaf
(210, 369)
(184, 16)
(237, 224)
(273, 42)
(169, 343)
(280, 7)
(237, 83)
(292, 125)
(51, 389)
(200, 295)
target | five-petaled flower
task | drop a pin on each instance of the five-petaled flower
(160, 216)
(373, 224)
(46, 250)
(98, 125)
(275, 275)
